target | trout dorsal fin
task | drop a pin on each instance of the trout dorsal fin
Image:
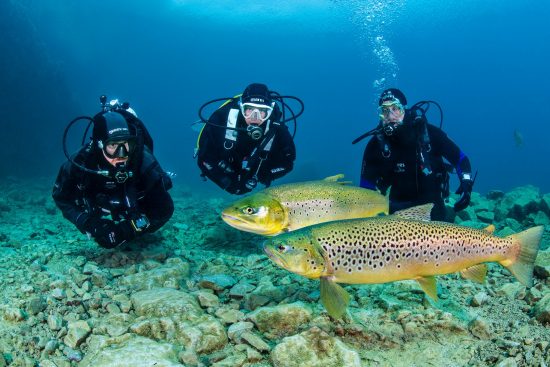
(429, 286)
(490, 228)
(335, 179)
(334, 298)
(420, 212)
(475, 273)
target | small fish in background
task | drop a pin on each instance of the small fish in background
(406, 245)
(518, 138)
(289, 207)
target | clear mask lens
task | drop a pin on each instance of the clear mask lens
(390, 108)
(256, 112)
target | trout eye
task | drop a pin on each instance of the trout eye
(282, 248)
(249, 210)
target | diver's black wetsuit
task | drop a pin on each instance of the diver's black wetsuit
(402, 170)
(85, 197)
(221, 157)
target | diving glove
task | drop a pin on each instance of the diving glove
(465, 192)
(111, 234)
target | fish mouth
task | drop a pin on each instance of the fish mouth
(247, 226)
(272, 256)
(232, 218)
(237, 222)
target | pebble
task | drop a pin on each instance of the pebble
(410, 327)
(479, 299)
(234, 331)
(255, 341)
(55, 322)
(229, 316)
(14, 314)
(112, 308)
(51, 346)
(59, 293)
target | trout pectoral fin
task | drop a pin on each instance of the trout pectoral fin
(334, 298)
(429, 286)
(475, 273)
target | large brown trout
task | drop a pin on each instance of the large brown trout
(405, 245)
(292, 206)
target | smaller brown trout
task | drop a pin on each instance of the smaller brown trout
(288, 207)
(405, 245)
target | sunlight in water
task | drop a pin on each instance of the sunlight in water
(234, 8)
(374, 19)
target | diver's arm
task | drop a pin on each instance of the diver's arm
(157, 205)
(370, 166)
(211, 155)
(450, 151)
(460, 161)
(66, 194)
(280, 160)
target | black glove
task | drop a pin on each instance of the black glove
(90, 223)
(251, 183)
(111, 234)
(465, 192)
(225, 167)
(239, 186)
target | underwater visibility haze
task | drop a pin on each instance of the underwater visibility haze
(485, 63)
(200, 291)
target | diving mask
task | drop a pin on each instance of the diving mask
(392, 114)
(391, 110)
(256, 112)
(119, 149)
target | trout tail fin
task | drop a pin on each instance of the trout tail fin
(522, 265)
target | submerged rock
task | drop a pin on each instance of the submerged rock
(542, 310)
(156, 278)
(176, 316)
(217, 282)
(135, 352)
(518, 203)
(281, 320)
(78, 331)
(314, 348)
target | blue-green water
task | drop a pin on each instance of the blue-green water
(484, 62)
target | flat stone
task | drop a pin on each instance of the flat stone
(217, 282)
(136, 352)
(207, 299)
(239, 291)
(77, 332)
(255, 341)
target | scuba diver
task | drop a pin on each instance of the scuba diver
(407, 153)
(113, 188)
(246, 141)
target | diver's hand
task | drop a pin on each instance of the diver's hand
(239, 186)
(465, 192)
(225, 167)
(103, 232)
(251, 183)
(111, 235)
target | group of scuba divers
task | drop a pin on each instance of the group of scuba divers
(114, 189)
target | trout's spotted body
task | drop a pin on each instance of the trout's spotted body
(379, 251)
(320, 201)
(289, 207)
(397, 247)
